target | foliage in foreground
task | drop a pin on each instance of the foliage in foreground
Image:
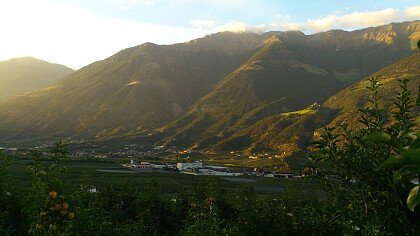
(125, 209)
(370, 195)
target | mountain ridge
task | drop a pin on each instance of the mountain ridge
(287, 132)
(20, 75)
(149, 86)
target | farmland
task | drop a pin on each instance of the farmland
(103, 172)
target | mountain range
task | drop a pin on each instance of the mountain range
(20, 75)
(226, 91)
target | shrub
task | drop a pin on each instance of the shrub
(366, 194)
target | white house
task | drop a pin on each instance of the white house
(190, 165)
(142, 165)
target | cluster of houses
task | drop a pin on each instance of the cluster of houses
(268, 155)
(198, 168)
(9, 149)
(195, 168)
(147, 166)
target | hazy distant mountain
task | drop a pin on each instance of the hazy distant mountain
(25, 74)
(205, 91)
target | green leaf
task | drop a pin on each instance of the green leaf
(393, 161)
(413, 156)
(411, 135)
(395, 142)
(413, 198)
(378, 136)
(408, 170)
(316, 142)
(415, 144)
(398, 176)
(418, 101)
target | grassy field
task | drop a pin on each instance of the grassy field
(296, 162)
(300, 112)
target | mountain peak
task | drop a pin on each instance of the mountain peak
(273, 39)
(275, 43)
(26, 59)
(149, 44)
(21, 75)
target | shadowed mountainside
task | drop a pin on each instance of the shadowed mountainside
(290, 131)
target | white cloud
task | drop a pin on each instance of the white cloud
(239, 27)
(366, 19)
(413, 12)
(287, 26)
(339, 20)
(321, 24)
(350, 21)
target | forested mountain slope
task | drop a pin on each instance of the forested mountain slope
(201, 92)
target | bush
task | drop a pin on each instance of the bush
(365, 193)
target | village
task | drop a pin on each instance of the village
(198, 168)
(169, 159)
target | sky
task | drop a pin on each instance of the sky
(76, 33)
